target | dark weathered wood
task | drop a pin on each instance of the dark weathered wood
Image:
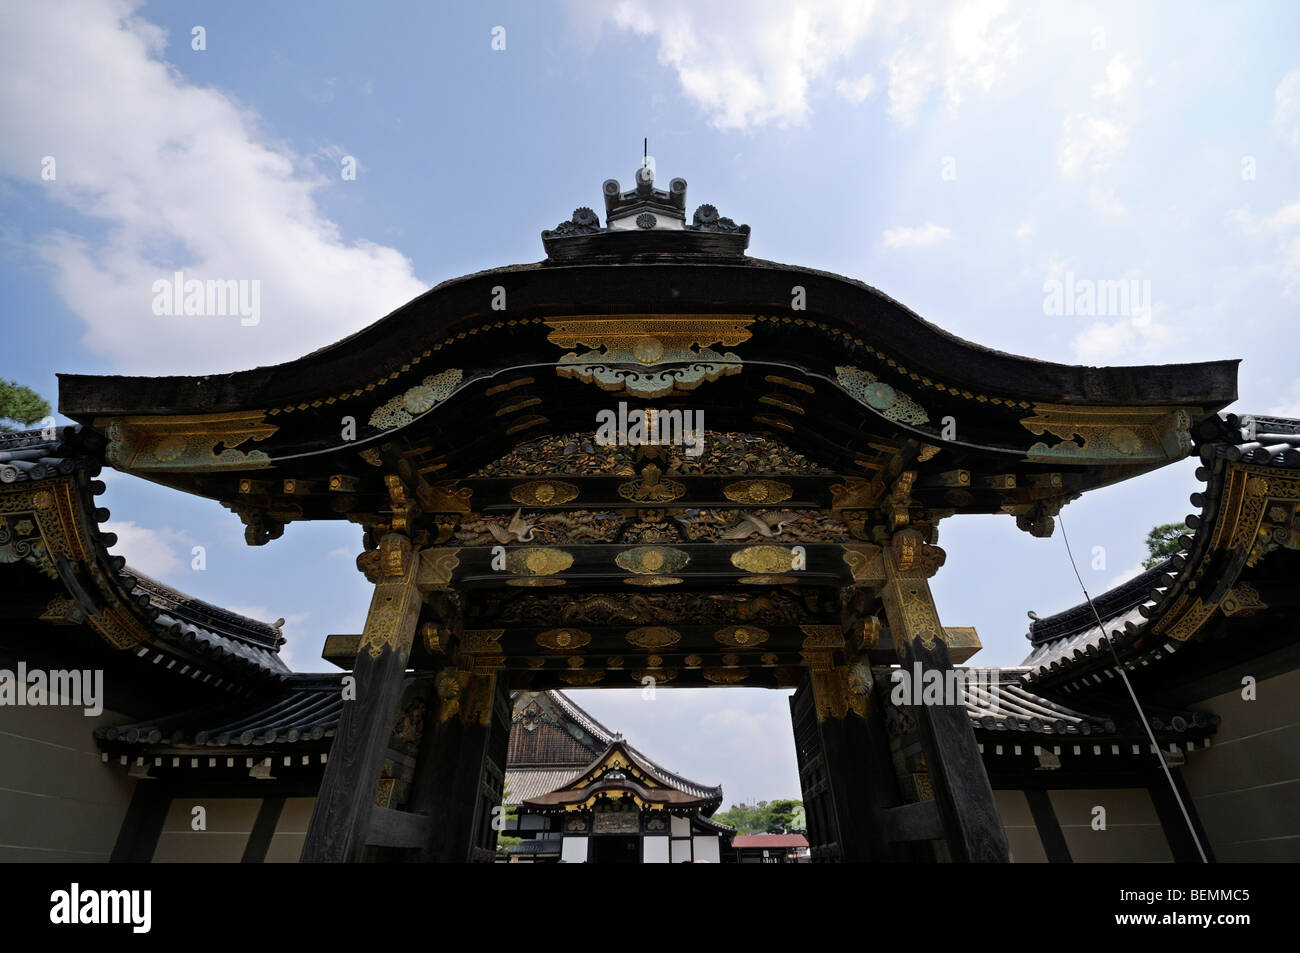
(849, 775)
(913, 822)
(449, 783)
(961, 785)
(390, 828)
(137, 839)
(1049, 828)
(958, 779)
(259, 838)
(347, 792)
(337, 832)
(1181, 843)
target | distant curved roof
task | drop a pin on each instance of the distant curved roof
(48, 490)
(532, 773)
(303, 713)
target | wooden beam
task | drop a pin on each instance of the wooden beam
(1049, 828)
(913, 822)
(390, 828)
(337, 832)
(961, 785)
(137, 838)
(1181, 843)
(464, 745)
(259, 838)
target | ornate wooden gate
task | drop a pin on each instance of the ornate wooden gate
(652, 460)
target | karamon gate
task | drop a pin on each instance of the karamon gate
(774, 524)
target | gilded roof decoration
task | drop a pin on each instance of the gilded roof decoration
(623, 351)
(578, 454)
(1109, 434)
(544, 493)
(653, 637)
(726, 676)
(658, 674)
(563, 640)
(404, 408)
(651, 487)
(763, 559)
(757, 492)
(186, 443)
(742, 636)
(864, 387)
(652, 559)
(537, 561)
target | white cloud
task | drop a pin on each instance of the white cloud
(1279, 224)
(177, 177)
(856, 90)
(967, 51)
(1023, 230)
(1089, 143)
(1105, 203)
(1118, 76)
(911, 78)
(1132, 572)
(159, 552)
(746, 64)
(1290, 407)
(1122, 340)
(755, 63)
(916, 236)
(1286, 110)
(979, 48)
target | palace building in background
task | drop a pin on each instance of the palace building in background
(513, 554)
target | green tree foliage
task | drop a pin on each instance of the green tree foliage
(1162, 542)
(20, 405)
(766, 817)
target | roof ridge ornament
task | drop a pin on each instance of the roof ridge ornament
(658, 216)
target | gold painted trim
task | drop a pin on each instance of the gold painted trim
(764, 559)
(544, 493)
(563, 640)
(757, 492)
(653, 637)
(185, 443)
(742, 636)
(645, 560)
(537, 561)
(1100, 435)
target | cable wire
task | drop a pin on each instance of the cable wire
(1119, 667)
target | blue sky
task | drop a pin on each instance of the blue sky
(957, 158)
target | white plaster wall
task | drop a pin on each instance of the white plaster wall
(573, 850)
(706, 849)
(655, 850)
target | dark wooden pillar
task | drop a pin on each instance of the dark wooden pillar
(259, 838)
(460, 769)
(339, 823)
(972, 825)
(1049, 828)
(137, 839)
(1181, 843)
(845, 767)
